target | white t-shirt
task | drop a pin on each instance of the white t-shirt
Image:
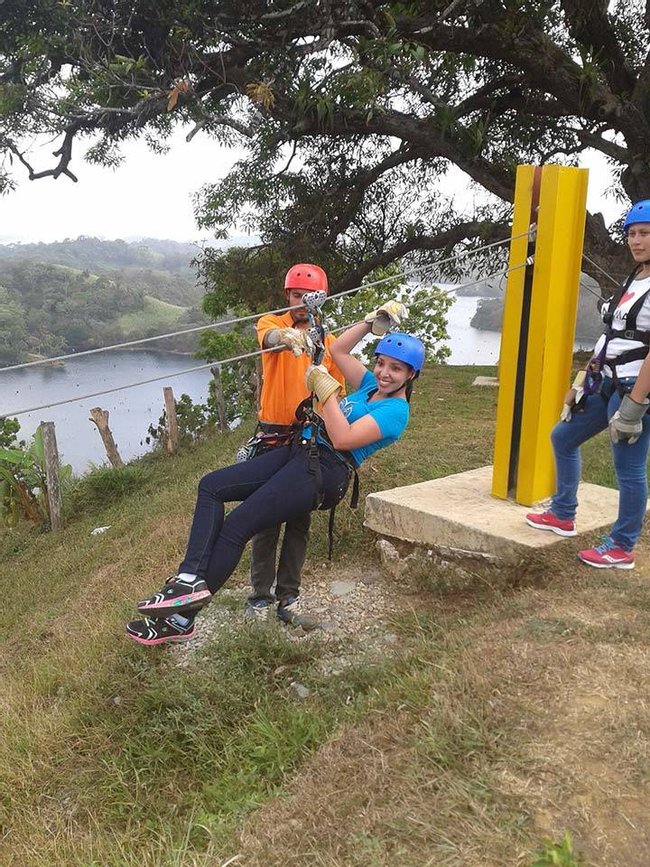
(617, 346)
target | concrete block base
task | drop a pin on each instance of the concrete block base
(487, 380)
(457, 515)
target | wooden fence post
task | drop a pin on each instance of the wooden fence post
(172, 424)
(100, 417)
(52, 475)
(218, 397)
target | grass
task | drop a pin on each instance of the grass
(156, 314)
(506, 714)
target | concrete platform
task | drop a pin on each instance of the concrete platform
(487, 380)
(458, 513)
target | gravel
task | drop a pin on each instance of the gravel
(352, 606)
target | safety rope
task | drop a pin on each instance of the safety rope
(140, 341)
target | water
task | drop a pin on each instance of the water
(134, 409)
(131, 411)
(467, 344)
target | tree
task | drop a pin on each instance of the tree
(352, 111)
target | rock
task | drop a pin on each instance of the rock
(300, 690)
(342, 588)
(327, 626)
(390, 558)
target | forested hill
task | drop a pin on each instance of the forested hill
(78, 294)
(94, 253)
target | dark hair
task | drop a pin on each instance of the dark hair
(409, 385)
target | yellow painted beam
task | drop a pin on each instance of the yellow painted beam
(556, 283)
(538, 328)
(512, 311)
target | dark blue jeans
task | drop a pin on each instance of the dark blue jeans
(273, 488)
(630, 464)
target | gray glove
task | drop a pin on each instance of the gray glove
(626, 424)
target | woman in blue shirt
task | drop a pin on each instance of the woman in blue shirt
(283, 484)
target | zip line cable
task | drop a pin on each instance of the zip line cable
(224, 361)
(250, 317)
(134, 384)
(602, 270)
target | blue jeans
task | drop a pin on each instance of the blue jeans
(630, 463)
(274, 488)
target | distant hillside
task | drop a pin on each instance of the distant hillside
(74, 295)
(95, 254)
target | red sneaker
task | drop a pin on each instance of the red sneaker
(607, 556)
(548, 521)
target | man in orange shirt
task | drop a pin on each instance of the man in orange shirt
(283, 388)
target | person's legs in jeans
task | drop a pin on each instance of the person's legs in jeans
(286, 496)
(292, 556)
(566, 438)
(236, 482)
(263, 556)
(631, 465)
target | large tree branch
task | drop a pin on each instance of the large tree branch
(443, 240)
(361, 182)
(425, 135)
(547, 66)
(590, 25)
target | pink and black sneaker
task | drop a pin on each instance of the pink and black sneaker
(607, 556)
(548, 521)
(160, 631)
(176, 597)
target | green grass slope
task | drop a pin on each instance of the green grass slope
(155, 316)
(510, 710)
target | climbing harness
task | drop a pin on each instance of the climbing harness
(318, 438)
(594, 371)
(265, 438)
(630, 332)
(310, 421)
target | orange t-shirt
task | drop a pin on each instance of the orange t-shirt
(283, 374)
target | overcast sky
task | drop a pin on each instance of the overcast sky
(150, 195)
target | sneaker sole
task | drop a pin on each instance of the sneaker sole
(606, 565)
(557, 530)
(181, 605)
(150, 642)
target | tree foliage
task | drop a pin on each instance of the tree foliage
(352, 112)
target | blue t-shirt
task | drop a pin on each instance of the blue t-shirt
(390, 413)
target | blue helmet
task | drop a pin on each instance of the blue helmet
(639, 213)
(403, 347)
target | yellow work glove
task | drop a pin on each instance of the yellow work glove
(321, 382)
(390, 313)
(292, 338)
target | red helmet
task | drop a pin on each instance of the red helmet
(309, 277)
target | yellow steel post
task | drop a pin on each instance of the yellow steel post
(524, 203)
(538, 330)
(556, 283)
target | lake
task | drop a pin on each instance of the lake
(134, 409)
